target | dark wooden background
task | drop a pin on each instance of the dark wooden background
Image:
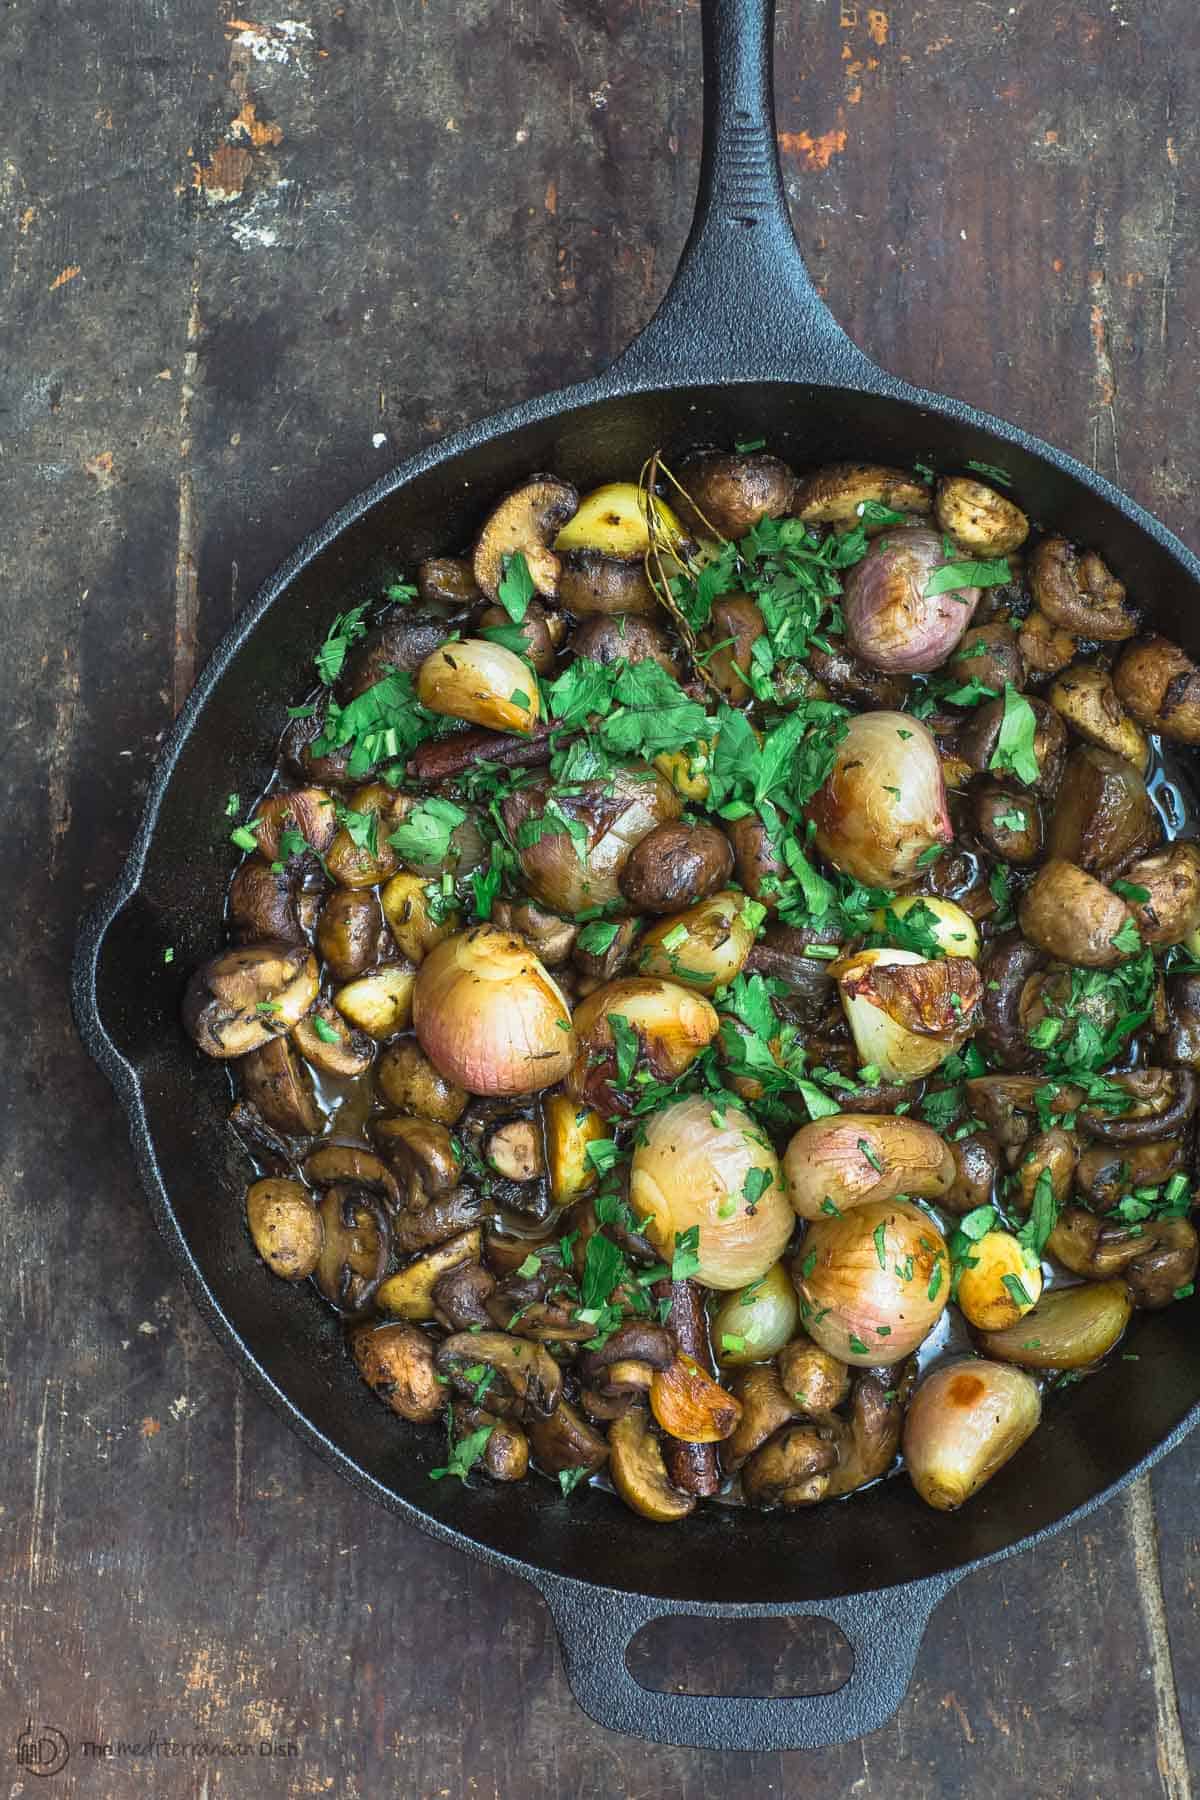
(246, 262)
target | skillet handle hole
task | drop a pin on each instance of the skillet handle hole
(766, 1659)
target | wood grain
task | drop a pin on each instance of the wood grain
(246, 262)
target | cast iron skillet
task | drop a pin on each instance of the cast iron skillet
(741, 347)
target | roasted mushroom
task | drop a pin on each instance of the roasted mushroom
(675, 865)
(409, 1294)
(1160, 685)
(527, 1377)
(639, 1473)
(1087, 700)
(408, 1081)
(981, 521)
(1071, 915)
(1075, 590)
(792, 1469)
(285, 1225)
(836, 494)
(239, 1000)
(1103, 818)
(275, 1080)
(527, 521)
(396, 1362)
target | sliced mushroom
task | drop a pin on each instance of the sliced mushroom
(1054, 1152)
(285, 1225)
(422, 1154)
(525, 1373)
(409, 1294)
(340, 1165)
(506, 1453)
(239, 999)
(850, 679)
(1167, 1266)
(735, 626)
(1074, 589)
(868, 1443)
(354, 1250)
(639, 1473)
(597, 966)
(792, 1469)
(396, 1362)
(564, 1440)
(527, 520)
(326, 1042)
(1085, 697)
(1105, 1173)
(441, 1219)
(1007, 966)
(767, 1405)
(275, 1080)
(1161, 1103)
(551, 938)
(636, 1342)
(408, 1081)
(834, 494)
(514, 1150)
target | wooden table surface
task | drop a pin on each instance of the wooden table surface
(248, 262)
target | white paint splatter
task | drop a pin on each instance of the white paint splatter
(280, 43)
(379, 439)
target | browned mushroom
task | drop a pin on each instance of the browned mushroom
(835, 494)
(675, 865)
(731, 493)
(514, 1149)
(263, 904)
(564, 1440)
(541, 631)
(550, 937)
(1087, 700)
(848, 678)
(735, 626)
(868, 1442)
(977, 743)
(441, 1219)
(526, 1378)
(1104, 818)
(1105, 1173)
(239, 999)
(354, 1248)
(527, 520)
(423, 1155)
(981, 521)
(1055, 1152)
(1075, 590)
(1160, 1104)
(275, 1080)
(326, 1042)
(1155, 1258)
(461, 1293)
(408, 1081)
(506, 1453)
(1008, 825)
(1046, 647)
(990, 656)
(1006, 968)
(396, 1362)
(624, 637)
(574, 870)
(1160, 685)
(351, 934)
(976, 1165)
(767, 1405)
(639, 1473)
(792, 1469)
(285, 1226)
(1167, 908)
(1071, 915)
(813, 1380)
(306, 812)
(592, 582)
(337, 1164)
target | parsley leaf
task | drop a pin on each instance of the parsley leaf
(465, 1454)
(952, 575)
(346, 629)
(625, 1047)
(686, 1259)
(516, 588)
(424, 836)
(1014, 750)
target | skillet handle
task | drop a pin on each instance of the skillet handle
(596, 1626)
(741, 305)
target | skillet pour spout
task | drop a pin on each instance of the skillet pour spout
(742, 346)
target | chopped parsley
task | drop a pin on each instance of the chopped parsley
(1014, 752)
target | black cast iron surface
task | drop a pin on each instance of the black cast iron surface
(741, 346)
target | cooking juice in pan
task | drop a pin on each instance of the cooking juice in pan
(712, 993)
